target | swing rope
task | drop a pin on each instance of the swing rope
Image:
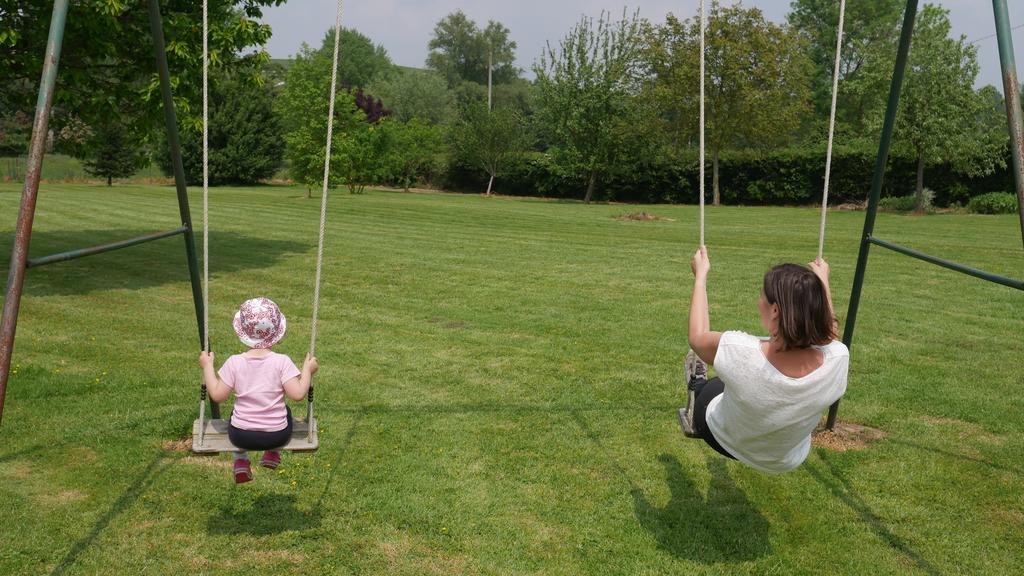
(206, 220)
(831, 124)
(206, 213)
(831, 129)
(703, 25)
(327, 173)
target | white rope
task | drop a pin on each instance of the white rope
(206, 184)
(327, 172)
(702, 30)
(831, 130)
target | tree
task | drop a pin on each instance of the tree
(357, 143)
(584, 94)
(940, 117)
(246, 140)
(411, 93)
(360, 62)
(112, 156)
(107, 72)
(867, 23)
(756, 85)
(460, 51)
(488, 140)
(413, 150)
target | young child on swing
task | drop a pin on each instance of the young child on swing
(770, 392)
(260, 379)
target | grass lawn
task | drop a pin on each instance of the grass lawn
(497, 394)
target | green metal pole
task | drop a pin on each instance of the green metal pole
(156, 26)
(876, 182)
(1011, 87)
(26, 213)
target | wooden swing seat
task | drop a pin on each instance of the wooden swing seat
(215, 437)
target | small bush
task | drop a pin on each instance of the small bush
(896, 204)
(993, 203)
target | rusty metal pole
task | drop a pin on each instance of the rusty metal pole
(1011, 87)
(36, 150)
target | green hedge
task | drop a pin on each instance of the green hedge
(784, 177)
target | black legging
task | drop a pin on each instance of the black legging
(711, 388)
(257, 440)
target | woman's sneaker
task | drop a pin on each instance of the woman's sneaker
(696, 377)
(271, 459)
(243, 473)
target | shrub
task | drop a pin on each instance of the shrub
(896, 204)
(993, 203)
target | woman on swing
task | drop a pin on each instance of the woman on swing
(769, 393)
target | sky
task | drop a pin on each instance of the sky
(404, 27)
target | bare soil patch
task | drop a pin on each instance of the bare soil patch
(643, 217)
(182, 445)
(855, 206)
(846, 436)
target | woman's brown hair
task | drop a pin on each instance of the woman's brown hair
(805, 318)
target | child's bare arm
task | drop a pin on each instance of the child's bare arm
(297, 387)
(215, 387)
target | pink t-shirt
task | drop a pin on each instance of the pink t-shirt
(258, 383)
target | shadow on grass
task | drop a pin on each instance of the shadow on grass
(141, 483)
(142, 266)
(840, 487)
(337, 465)
(957, 456)
(723, 527)
(269, 514)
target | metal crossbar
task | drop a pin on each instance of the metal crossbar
(1018, 284)
(72, 254)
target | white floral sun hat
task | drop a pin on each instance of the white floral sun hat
(259, 323)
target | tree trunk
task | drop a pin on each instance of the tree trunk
(489, 184)
(590, 187)
(309, 192)
(109, 180)
(919, 189)
(714, 178)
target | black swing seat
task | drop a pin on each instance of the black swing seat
(214, 437)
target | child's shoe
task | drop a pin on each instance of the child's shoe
(243, 473)
(271, 459)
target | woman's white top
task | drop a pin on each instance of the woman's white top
(765, 418)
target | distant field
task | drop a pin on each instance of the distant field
(61, 167)
(497, 394)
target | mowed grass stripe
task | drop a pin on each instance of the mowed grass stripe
(497, 394)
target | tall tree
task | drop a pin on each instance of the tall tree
(245, 137)
(410, 93)
(460, 51)
(867, 23)
(940, 118)
(360, 61)
(585, 92)
(303, 105)
(107, 71)
(756, 86)
(489, 139)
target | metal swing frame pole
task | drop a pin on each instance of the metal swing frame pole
(174, 142)
(909, 15)
(29, 194)
(1011, 88)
